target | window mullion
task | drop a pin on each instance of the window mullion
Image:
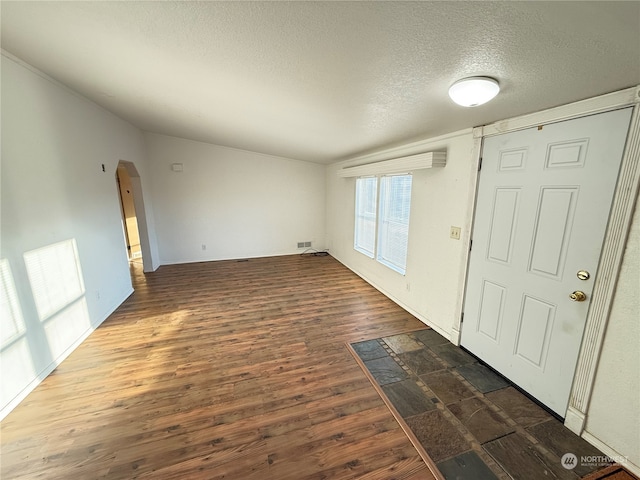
(378, 213)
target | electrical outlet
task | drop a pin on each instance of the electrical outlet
(204, 247)
(455, 233)
(307, 244)
(300, 244)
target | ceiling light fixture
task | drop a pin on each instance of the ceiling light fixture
(474, 91)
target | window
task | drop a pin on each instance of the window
(388, 217)
(366, 204)
(393, 227)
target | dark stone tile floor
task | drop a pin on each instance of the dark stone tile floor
(480, 420)
(481, 377)
(471, 421)
(386, 370)
(466, 465)
(408, 398)
(370, 350)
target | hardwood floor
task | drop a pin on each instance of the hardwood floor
(233, 369)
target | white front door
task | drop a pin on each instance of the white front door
(544, 197)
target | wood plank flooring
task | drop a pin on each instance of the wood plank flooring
(233, 369)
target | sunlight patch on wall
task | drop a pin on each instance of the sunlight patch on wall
(58, 291)
(11, 315)
(64, 329)
(16, 366)
(55, 276)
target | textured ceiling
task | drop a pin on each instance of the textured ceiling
(323, 81)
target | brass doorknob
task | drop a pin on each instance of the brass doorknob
(578, 296)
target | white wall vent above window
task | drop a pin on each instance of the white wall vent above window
(397, 165)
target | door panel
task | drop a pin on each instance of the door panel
(544, 196)
(491, 306)
(534, 330)
(503, 224)
(552, 230)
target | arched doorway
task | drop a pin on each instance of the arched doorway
(129, 216)
(134, 219)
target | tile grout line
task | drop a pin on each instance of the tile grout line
(475, 444)
(412, 365)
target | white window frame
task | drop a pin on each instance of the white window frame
(363, 215)
(384, 223)
(392, 226)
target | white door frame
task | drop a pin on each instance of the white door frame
(141, 215)
(624, 200)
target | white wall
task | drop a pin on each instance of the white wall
(239, 204)
(613, 418)
(54, 196)
(440, 198)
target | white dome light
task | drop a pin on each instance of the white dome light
(474, 91)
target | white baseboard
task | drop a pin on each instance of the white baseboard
(574, 420)
(45, 372)
(419, 316)
(610, 452)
